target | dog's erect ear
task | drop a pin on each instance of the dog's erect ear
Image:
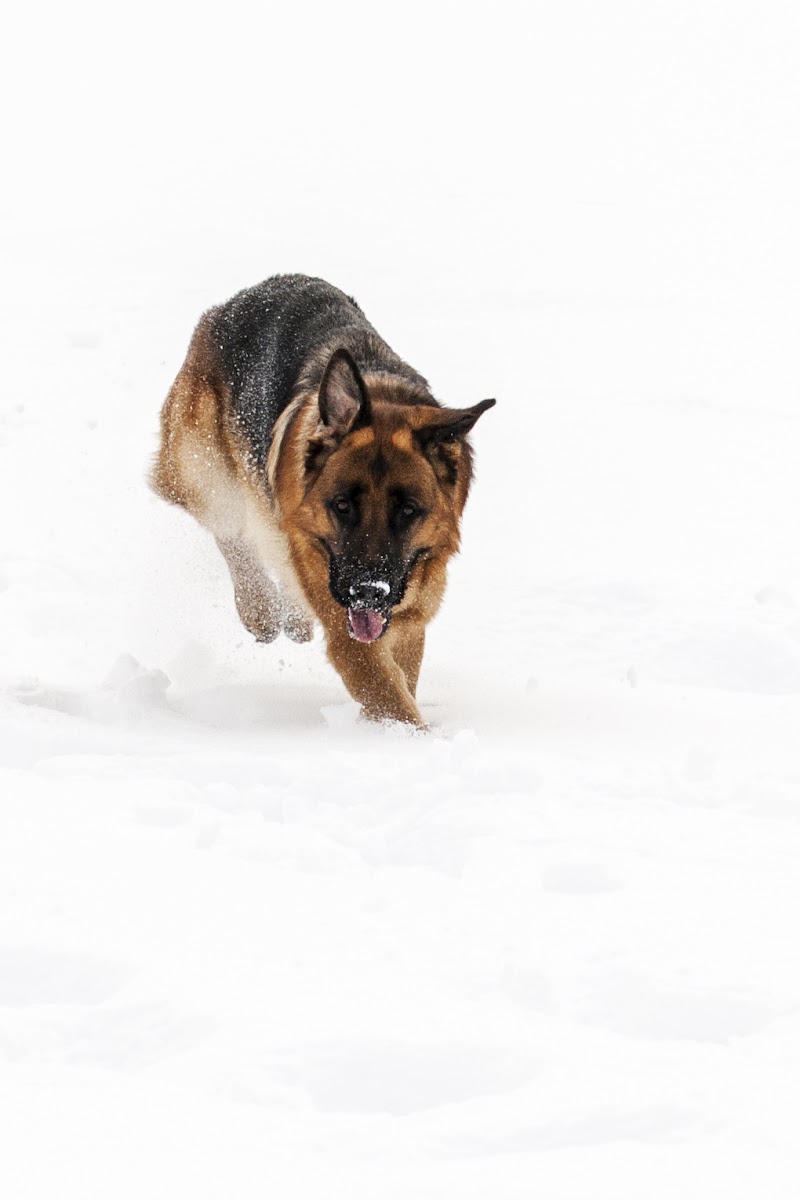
(440, 434)
(438, 426)
(343, 400)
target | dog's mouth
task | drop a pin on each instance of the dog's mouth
(366, 624)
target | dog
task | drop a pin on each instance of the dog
(331, 478)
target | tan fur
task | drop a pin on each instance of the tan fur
(268, 522)
(402, 439)
(362, 437)
(383, 675)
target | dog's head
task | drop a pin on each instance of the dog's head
(385, 483)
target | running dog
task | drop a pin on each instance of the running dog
(331, 478)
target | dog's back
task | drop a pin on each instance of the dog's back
(274, 340)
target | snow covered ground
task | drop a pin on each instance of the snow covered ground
(248, 945)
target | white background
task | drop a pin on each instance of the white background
(249, 946)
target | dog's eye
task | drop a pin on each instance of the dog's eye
(404, 511)
(341, 506)
(409, 510)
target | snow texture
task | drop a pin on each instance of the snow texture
(250, 946)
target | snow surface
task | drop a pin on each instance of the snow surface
(248, 945)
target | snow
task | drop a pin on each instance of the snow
(248, 944)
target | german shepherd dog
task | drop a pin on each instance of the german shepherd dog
(330, 477)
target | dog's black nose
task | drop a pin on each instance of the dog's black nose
(370, 593)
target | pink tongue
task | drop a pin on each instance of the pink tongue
(366, 624)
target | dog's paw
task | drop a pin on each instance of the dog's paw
(258, 617)
(297, 626)
(265, 635)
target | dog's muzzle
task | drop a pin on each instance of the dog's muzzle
(369, 593)
(368, 611)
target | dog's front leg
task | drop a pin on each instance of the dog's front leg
(408, 646)
(373, 677)
(257, 600)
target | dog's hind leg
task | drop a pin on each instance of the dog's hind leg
(258, 602)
